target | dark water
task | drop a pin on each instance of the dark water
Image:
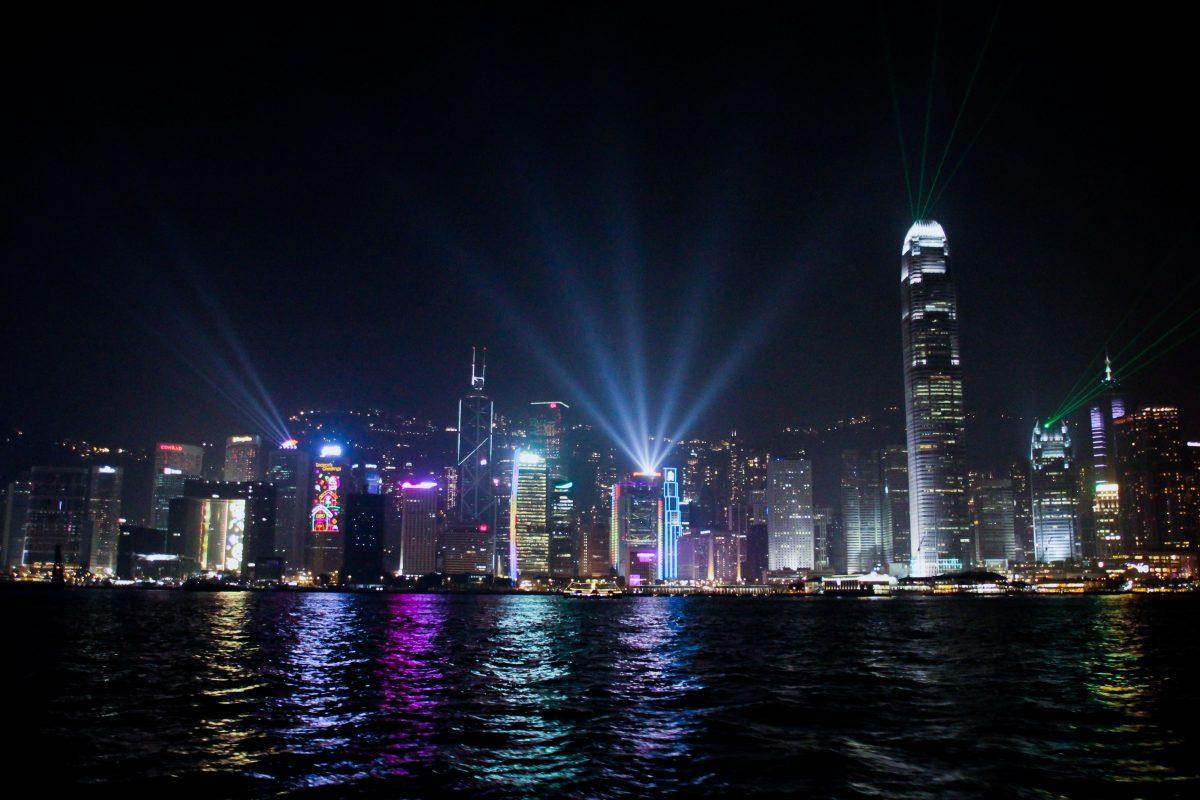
(415, 695)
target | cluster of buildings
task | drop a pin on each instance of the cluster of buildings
(361, 498)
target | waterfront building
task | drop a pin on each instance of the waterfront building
(243, 459)
(789, 514)
(529, 535)
(1052, 492)
(174, 464)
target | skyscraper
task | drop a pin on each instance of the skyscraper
(174, 464)
(288, 468)
(364, 520)
(474, 460)
(243, 456)
(563, 555)
(1052, 492)
(1158, 510)
(1105, 410)
(893, 508)
(634, 530)
(529, 535)
(992, 509)
(937, 473)
(227, 526)
(104, 517)
(790, 543)
(860, 494)
(325, 547)
(418, 527)
(16, 509)
(58, 516)
(671, 528)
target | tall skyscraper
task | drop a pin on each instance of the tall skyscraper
(937, 473)
(634, 529)
(364, 520)
(528, 532)
(288, 468)
(1158, 509)
(563, 556)
(174, 464)
(823, 519)
(466, 549)
(671, 527)
(475, 421)
(16, 509)
(325, 547)
(894, 508)
(790, 543)
(418, 527)
(860, 494)
(104, 517)
(1052, 492)
(1105, 410)
(992, 508)
(58, 516)
(243, 459)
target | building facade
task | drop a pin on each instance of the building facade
(1052, 494)
(790, 543)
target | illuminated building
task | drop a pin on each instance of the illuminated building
(1052, 492)
(143, 553)
(226, 526)
(670, 527)
(57, 516)
(1103, 413)
(288, 468)
(174, 464)
(544, 432)
(992, 509)
(1158, 507)
(790, 542)
(16, 509)
(418, 528)
(528, 534)
(476, 501)
(243, 456)
(634, 529)
(326, 547)
(712, 556)
(860, 495)
(1106, 514)
(1022, 511)
(104, 517)
(466, 549)
(894, 508)
(823, 520)
(563, 558)
(932, 399)
(363, 518)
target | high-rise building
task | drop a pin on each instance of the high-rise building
(529, 535)
(1052, 493)
(226, 526)
(174, 464)
(476, 502)
(58, 516)
(992, 509)
(789, 493)
(822, 520)
(634, 529)
(363, 518)
(1105, 410)
(894, 507)
(104, 517)
(418, 527)
(860, 495)
(288, 468)
(671, 526)
(325, 546)
(563, 555)
(1106, 517)
(1158, 507)
(16, 509)
(243, 459)
(466, 549)
(937, 473)
(1022, 511)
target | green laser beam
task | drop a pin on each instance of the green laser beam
(937, 40)
(891, 75)
(963, 106)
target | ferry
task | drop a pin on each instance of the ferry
(592, 588)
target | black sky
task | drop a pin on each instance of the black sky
(364, 195)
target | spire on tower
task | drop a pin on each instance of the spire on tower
(477, 378)
(1108, 378)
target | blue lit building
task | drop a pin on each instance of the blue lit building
(671, 528)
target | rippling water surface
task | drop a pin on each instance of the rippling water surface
(336, 695)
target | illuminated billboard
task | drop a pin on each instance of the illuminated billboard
(224, 525)
(326, 514)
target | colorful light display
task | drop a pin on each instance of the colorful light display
(326, 513)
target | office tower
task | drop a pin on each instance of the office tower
(634, 530)
(16, 509)
(418, 527)
(174, 464)
(757, 556)
(992, 509)
(860, 495)
(1052, 493)
(474, 459)
(528, 533)
(547, 425)
(288, 468)
(822, 518)
(790, 542)
(563, 556)
(1105, 410)
(325, 546)
(670, 527)
(226, 526)
(243, 456)
(137, 548)
(1022, 511)
(57, 516)
(363, 518)
(713, 556)
(933, 400)
(1158, 508)
(502, 487)
(466, 549)
(1106, 518)
(595, 561)
(104, 517)
(894, 507)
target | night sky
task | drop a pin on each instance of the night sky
(356, 200)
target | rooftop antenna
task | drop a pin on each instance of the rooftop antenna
(477, 378)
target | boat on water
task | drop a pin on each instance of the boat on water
(592, 587)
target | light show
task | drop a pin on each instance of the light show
(224, 525)
(327, 504)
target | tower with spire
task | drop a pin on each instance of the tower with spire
(476, 503)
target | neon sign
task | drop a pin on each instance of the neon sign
(326, 513)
